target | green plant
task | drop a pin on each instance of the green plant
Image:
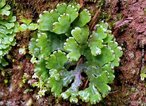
(27, 25)
(7, 31)
(70, 60)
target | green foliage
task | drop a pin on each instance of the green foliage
(27, 25)
(7, 31)
(62, 41)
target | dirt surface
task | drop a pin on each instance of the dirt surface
(128, 18)
(130, 32)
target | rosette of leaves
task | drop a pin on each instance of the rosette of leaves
(7, 31)
(70, 60)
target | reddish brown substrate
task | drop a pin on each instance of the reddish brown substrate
(129, 17)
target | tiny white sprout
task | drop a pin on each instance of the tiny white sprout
(116, 43)
(97, 25)
(42, 92)
(67, 14)
(58, 5)
(142, 78)
(119, 48)
(22, 50)
(76, 9)
(86, 10)
(69, 5)
(40, 15)
(51, 11)
(67, 39)
(106, 65)
(73, 6)
(98, 51)
(71, 38)
(104, 29)
(109, 88)
(55, 23)
(112, 66)
(54, 52)
(64, 95)
(118, 59)
(39, 35)
(106, 23)
(44, 11)
(63, 4)
(34, 76)
(112, 51)
(109, 31)
(68, 56)
(64, 43)
(59, 18)
(64, 53)
(11, 39)
(59, 51)
(38, 21)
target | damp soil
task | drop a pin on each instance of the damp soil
(128, 21)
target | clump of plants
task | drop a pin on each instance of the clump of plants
(7, 31)
(70, 60)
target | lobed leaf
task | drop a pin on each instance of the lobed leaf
(56, 60)
(72, 11)
(80, 34)
(90, 94)
(73, 48)
(63, 24)
(84, 18)
(95, 44)
(56, 86)
(46, 20)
